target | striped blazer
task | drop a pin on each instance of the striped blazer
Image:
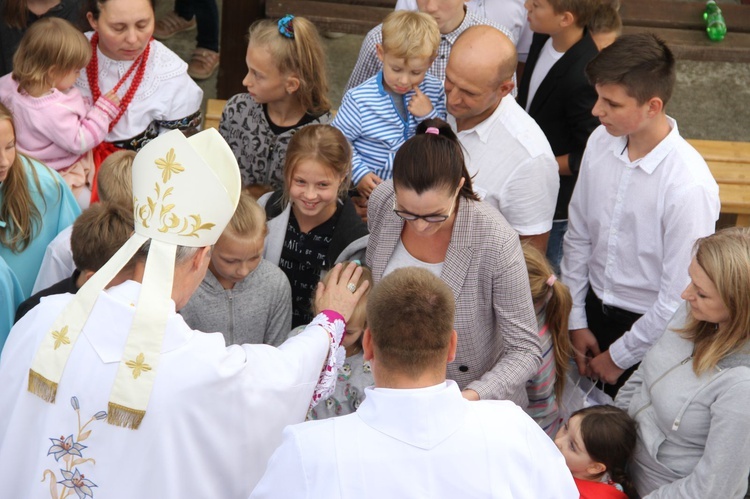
(369, 120)
(498, 345)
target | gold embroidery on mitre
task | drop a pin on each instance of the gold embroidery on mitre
(61, 337)
(170, 222)
(138, 365)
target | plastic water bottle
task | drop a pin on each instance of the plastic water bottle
(715, 25)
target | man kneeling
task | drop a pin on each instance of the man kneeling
(415, 435)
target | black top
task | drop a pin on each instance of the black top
(278, 130)
(65, 286)
(70, 10)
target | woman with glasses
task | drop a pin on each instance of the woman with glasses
(429, 216)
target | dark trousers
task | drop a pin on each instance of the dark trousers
(206, 14)
(608, 324)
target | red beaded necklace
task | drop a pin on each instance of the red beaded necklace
(92, 73)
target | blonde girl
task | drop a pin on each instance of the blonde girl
(354, 374)
(35, 205)
(54, 124)
(598, 443)
(552, 304)
(312, 224)
(243, 296)
(287, 88)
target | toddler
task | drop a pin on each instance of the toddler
(54, 125)
(287, 88)
(312, 224)
(552, 304)
(597, 443)
(245, 297)
(383, 112)
(355, 374)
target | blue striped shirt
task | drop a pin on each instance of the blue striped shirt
(370, 121)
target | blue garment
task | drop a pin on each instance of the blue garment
(10, 297)
(370, 120)
(58, 209)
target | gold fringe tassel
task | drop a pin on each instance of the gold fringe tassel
(42, 387)
(119, 415)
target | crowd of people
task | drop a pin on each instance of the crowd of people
(388, 300)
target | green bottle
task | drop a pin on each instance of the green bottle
(715, 25)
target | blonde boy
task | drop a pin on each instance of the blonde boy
(243, 296)
(383, 112)
(606, 25)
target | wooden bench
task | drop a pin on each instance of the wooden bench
(730, 165)
(681, 25)
(343, 16)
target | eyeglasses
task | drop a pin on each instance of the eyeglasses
(430, 219)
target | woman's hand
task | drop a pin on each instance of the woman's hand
(338, 295)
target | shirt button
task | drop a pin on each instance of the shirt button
(463, 369)
(442, 56)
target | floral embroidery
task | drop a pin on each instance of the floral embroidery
(168, 166)
(170, 222)
(138, 366)
(70, 450)
(61, 337)
(78, 482)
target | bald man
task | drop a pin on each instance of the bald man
(513, 164)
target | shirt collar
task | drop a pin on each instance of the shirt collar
(653, 159)
(466, 23)
(484, 129)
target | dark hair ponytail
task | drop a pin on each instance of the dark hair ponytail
(609, 435)
(430, 161)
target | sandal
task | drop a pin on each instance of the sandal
(171, 24)
(203, 64)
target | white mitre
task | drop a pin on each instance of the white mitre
(185, 191)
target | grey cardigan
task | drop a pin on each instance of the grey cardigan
(693, 431)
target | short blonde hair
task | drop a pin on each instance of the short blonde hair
(114, 181)
(49, 44)
(249, 219)
(408, 34)
(359, 316)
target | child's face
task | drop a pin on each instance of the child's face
(604, 39)
(125, 28)
(234, 257)
(619, 112)
(7, 148)
(354, 331)
(401, 75)
(542, 17)
(313, 190)
(447, 13)
(264, 82)
(66, 80)
(570, 442)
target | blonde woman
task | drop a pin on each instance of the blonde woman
(691, 394)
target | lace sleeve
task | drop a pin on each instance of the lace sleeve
(335, 326)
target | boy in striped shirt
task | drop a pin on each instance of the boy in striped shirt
(383, 112)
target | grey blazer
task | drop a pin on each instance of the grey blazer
(498, 346)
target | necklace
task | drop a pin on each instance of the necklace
(92, 73)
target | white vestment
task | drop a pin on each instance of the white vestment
(213, 420)
(422, 443)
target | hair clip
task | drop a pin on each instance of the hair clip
(433, 130)
(551, 280)
(286, 28)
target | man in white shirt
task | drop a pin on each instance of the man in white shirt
(511, 160)
(415, 435)
(111, 394)
(643, 197)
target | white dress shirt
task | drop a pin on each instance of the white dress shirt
(58, 262)
(631, 230)
(513, 167)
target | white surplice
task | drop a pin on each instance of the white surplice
(421, 443)
(215, 415)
